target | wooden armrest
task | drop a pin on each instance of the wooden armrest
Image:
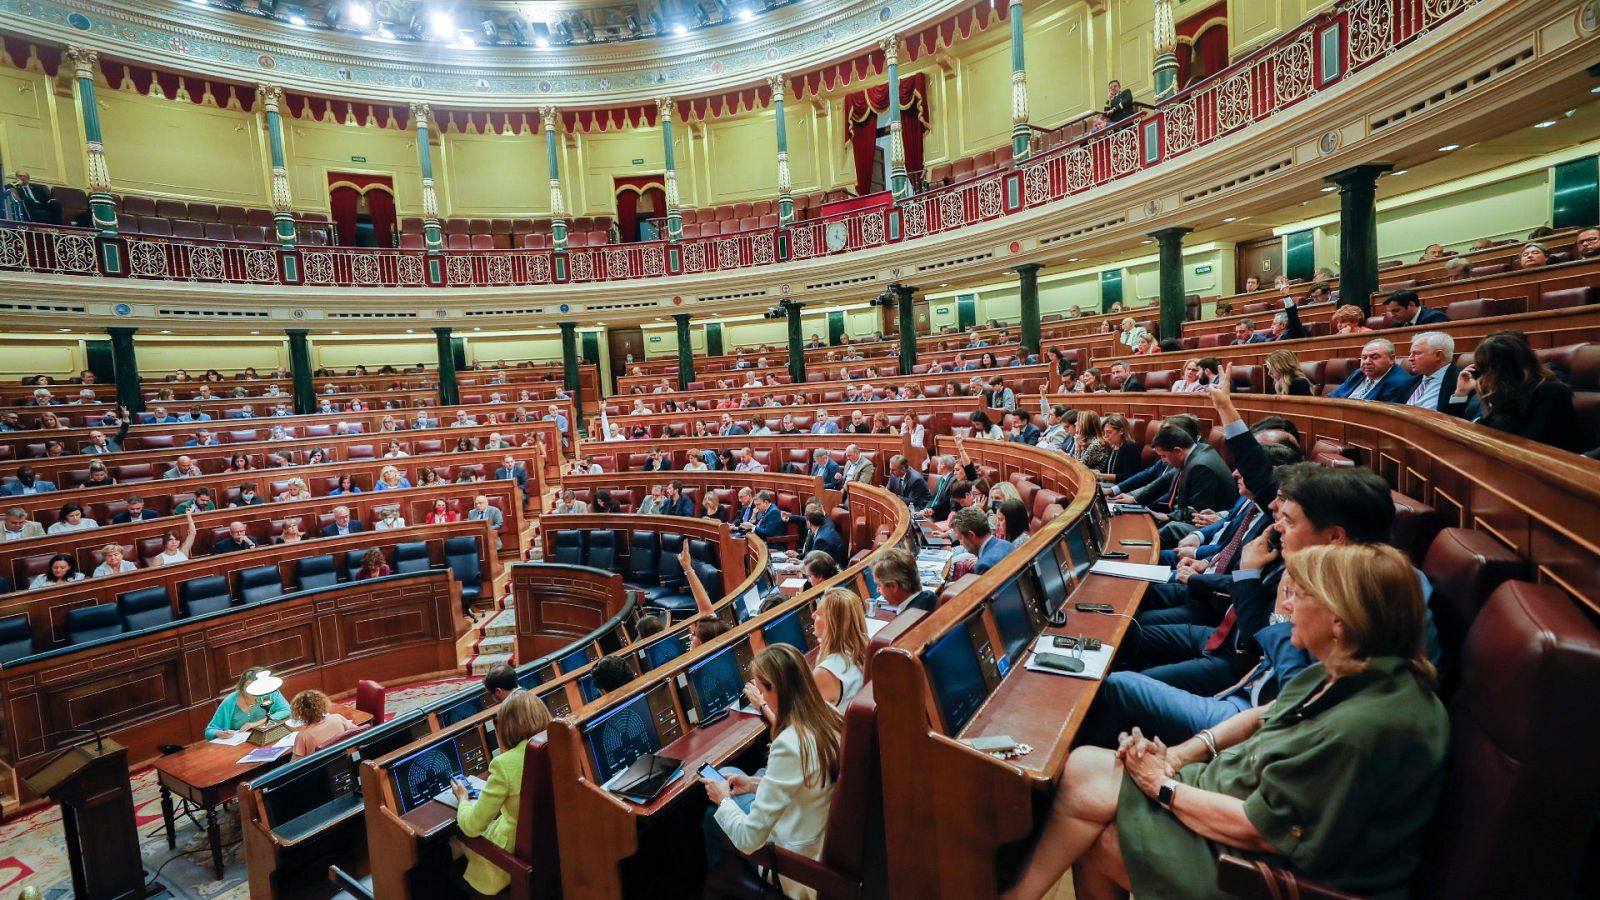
(505, 860)
(828, 884)
(1255, 880)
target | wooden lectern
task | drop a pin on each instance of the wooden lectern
(90, 781)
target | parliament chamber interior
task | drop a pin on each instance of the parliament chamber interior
(843, 450)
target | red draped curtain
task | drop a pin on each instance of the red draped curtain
(646, 192)
(345, 192)
(862, 109)
(1202, 48)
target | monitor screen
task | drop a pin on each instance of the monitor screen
(474, 761)
(621, 736)
(576, 660)
(286, 799)
(953, 670)
(716, 682)
(788, 629)
(663, 651)
(420, 775)
(1074, 555)
(532, 678)
(1012, 620)
(1051, 580)
(750, 603)
(555, 700)
(464, 709)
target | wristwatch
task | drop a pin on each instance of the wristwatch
(1168, 793)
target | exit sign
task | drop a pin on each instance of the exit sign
(1202, 270)
(358, 159)
(638, 161)
(655, 338)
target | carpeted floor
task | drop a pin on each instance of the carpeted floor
(31, 851)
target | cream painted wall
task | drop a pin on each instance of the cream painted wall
(29, 126)
(1511, 207)
(754, 332)
(25, 355)
(372, 352)
(492, 176)
(1252, 23)
(175, 148)
(316, 148)
(160, 355)
(514, 348)
(603, 156)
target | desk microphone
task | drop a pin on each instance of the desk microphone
(99, 742)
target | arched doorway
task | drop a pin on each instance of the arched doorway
(641, 204)
(362, 208)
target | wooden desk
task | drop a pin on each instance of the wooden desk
(209, 775)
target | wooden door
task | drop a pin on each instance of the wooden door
(1262, 258)
(624, 342)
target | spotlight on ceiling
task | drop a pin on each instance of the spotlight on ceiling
(359, 14)
(519, 35)
(633, 25)
(267, 7)
(744, 14)
(585, 30)
(442, 24)
(541, 34)
(490, 31)
(701, 17)
(415, 28)
(656, 23)
(563, 34)
(679, 29)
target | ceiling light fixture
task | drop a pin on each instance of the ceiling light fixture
(442, 24)
(541, 34)
(297, 20)
(360, 14)
(1401, 172)
(466, 39)
(745, 14)
(679, 29)
(1448, 147)
(1230, 218)
(1545, 124)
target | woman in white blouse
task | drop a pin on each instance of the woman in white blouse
(786, 803)
(1192, 382)
(174, 549)
(840, 624)
(112, 562)
(72, 519)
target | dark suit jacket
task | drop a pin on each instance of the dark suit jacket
(1295, 329)
(827, 540)
(332, 530)
(1394, 387)
(516, 473)
(229, 545)
(124, 517)
(1447, 387)
(1546, 418)
(1121, 106)
(1133, 385)
(770, 525)
(1426, 316)
(831, 473)
(912, 488)
(683, 507)
(1029, 434)
(1205, 483)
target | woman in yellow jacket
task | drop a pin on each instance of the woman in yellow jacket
(493, 814)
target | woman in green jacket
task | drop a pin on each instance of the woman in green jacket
(242, 707)
(1336, 781)
(493, 814)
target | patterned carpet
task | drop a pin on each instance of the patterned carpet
(31, 848)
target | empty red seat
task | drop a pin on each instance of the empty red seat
(217, 231)
(482, 241)
(412, 242)
(262, 217)
(770, 220)
(536, 242)
(154, 226)
(232, 215)
(187, 230)
(172, 209)
(458, 241)
(250, 234)
(138, 206)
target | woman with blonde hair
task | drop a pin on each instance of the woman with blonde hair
(493, 814)
(787, 803)
(321, 727)
(840, 624)
(297, 491)
(1336, 780)
(390, 479)
(1349, 319)
(1193, 380)
(1090, 447)
(1284, 375)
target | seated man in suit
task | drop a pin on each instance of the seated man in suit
(34, 201)
(1021, 430)
(238, 539)
(160, 416)
(481, 511)
(907, 483)
(1432, 361)
(28, 483)
(19, 526)
(768, 521)
(137, 511)
(971, 527)
(747, 508)
(343, 524)
(202, 438)
(195, 414)
(822, 535)
(1405, 309)
(822, 464)
(511, 469)
(185, 467)
(824, 424)
(856, 466)
(100, 445)
(1203, 482)
(678, 503)
(899, 584)
(1378, 378)
(1131, 383)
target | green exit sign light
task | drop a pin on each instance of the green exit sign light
(1202, 270)
(655, 338)
(358, 159)
(638, 161)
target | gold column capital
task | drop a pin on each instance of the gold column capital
(549, 119)
(421, 112)
(271, 95)
(84, 60)
(891, 50)
(776, 83)
(664, 106)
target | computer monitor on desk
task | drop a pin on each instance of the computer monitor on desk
(531, 678)
(963, 670)
(464, 708)
(1015, 616)
(392, 739)
(717, 681)
(793, 627)
(422, 774)
(1053, 585)
(575, 660)
(621, 735)
(662, 651)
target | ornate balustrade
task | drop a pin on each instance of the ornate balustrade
(1322, 51)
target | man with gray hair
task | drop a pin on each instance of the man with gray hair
(1432, 360)
(342, 524)
(1378, 378)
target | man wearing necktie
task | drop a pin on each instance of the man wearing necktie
(1378, 378)
(36, 200)
(1432, 360)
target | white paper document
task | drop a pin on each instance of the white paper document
(1095, 662)
(1136, 571)
(232, 740)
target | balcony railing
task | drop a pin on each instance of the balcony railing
(1320, 52)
